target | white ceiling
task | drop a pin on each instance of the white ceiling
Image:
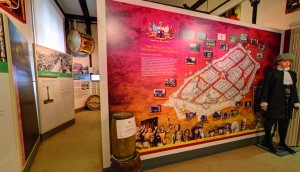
(207, 6)
(73, 6)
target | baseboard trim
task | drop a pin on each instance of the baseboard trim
(32, 156)
(197, 153)
(188, 155)
(80, 109)
(57, 129)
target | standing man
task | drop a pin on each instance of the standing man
(279, 98)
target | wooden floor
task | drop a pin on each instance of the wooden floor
(78, 149)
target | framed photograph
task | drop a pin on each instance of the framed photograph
(208, 54)
(190, 115)
(159, 92)
(201, 36)
(194, 47)
(202, 118)
(234, 112)
(188, 34)
(291, 6)
(254, 41)
(190, 60)
(238, 104)
(216, 115)
(244, 37)
(262, 47)
(15, 7)
(259, 55)
(154, 108)
(221, 37)
(170, 82)
(210, 42)
(223, 47)
(225, 115)
(247, 104)
(233, 38)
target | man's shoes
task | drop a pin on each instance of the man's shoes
(285, 147)
(270, 147)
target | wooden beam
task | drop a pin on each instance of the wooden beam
(81, 18)
(219, 6)
(86, 15)
(197, 4)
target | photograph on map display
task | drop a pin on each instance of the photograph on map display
(155, 108)
(190, 60)
(170, 82)
(159, 92)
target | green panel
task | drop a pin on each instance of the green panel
(54, 74)
(3, 67)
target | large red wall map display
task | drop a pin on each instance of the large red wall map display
(188, 80)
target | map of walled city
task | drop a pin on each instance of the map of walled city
(216, 86)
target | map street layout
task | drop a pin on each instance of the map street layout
(218, 85)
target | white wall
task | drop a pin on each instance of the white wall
(270, 13)
(49, 25)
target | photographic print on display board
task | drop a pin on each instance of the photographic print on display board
(223, 46)
(52, 63)
(244, 37)
(208, 54)
(194, 47)
(201, 36)
(190, 60)
(2, 42)
(15, 7)
(233, 38)
(221, 37)
(208, 82)
(170, 82)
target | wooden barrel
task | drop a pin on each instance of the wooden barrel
(131, 165)
(123, 130)
(79, 42)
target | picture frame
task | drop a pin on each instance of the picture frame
(155, 108)
(190, 60)
(223, 47)
(233, 38)
(170, 82)
(15, 7)
(292, 6)
(201, 36)
(194, 47)
(159, 92)
(208, 54)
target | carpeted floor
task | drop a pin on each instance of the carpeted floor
(75, 149)
(78, 149)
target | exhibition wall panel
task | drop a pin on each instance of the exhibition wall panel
(9, 151)
(55, 89)
(182, 72)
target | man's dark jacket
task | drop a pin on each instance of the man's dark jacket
(274, 94)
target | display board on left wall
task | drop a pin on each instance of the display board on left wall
(55, 90)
